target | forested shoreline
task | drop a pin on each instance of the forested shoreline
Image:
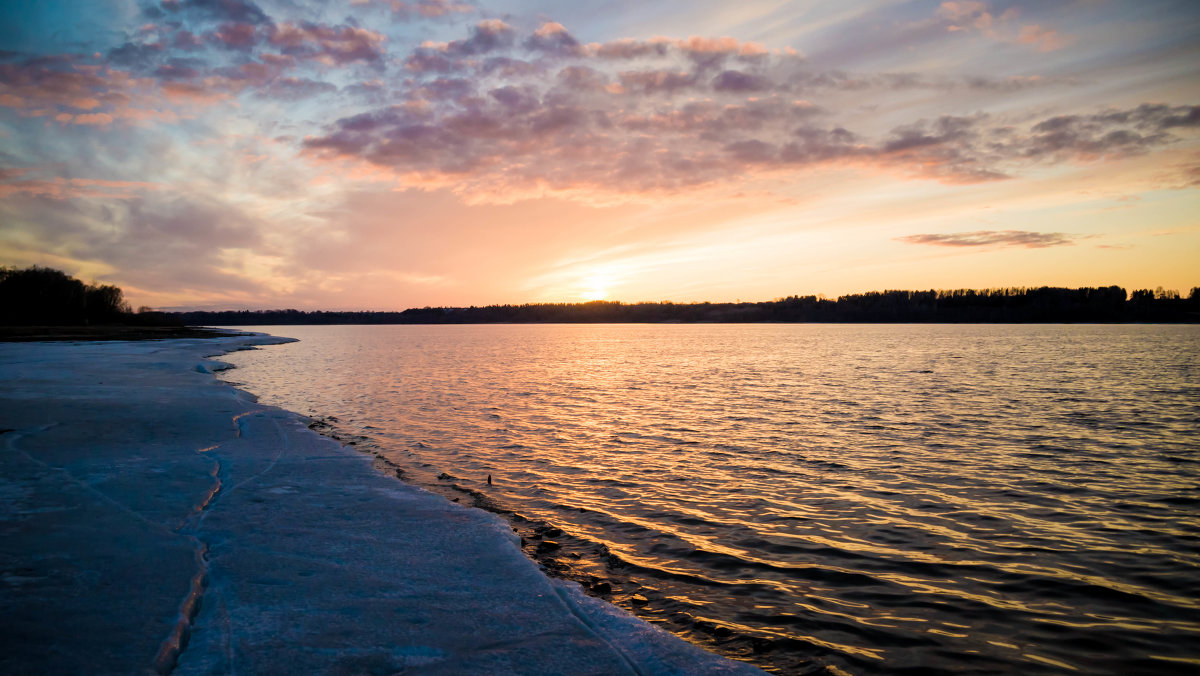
(1110, 304)
(45, 297)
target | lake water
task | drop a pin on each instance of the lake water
(811, 498)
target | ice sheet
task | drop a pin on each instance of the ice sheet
(154, 518)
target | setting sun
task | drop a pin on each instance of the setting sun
(596, 287)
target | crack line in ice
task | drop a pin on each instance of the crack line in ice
(237, 420)
(197, 513)
(176, 642)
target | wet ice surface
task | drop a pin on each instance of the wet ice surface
(154, 519)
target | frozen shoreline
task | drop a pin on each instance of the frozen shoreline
(155, 518)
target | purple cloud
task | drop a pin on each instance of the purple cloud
(336, 44)
(486, 36)
(629, 48)
(429, 9)
(553, 38)
(237, 11)
(237, 36)
(529, 125)
(294, 89)
(657, 81)
(425, 60)
(503, 106)
(739, 82)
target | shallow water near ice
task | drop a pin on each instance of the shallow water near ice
(871, 498)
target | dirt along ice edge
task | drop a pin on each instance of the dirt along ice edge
(155, 519)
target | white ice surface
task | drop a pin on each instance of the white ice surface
(154, 519)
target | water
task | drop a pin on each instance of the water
(811, 498)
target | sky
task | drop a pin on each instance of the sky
(387, 154)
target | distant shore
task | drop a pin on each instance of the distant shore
(1041, 305)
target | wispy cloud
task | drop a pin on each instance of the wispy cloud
(19, 182)
(429, 9)
(972, 15)
(995, 238)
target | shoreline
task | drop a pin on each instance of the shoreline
(549, 543)
(159, 518)
(561, 555)
(37, 334)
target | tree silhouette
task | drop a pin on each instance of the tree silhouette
(38, 296)
(1007, 305)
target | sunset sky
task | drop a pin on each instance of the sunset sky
(385, 154)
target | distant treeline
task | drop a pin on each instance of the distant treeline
(38, 296)
(1014, 305)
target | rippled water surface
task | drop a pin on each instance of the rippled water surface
(845, 498)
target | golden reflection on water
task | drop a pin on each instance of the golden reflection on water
(858, 498)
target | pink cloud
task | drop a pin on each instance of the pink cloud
(206, 91)
(702, 45)
(434, 8)
(335, 44)
(59, 188)
(700, 50)
(44, 83)
(61, 88)
(966, 15)
(1042, 39)
(86, 103)
(426, 8)
(553, 38)
(240, 36)
(94, 119)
